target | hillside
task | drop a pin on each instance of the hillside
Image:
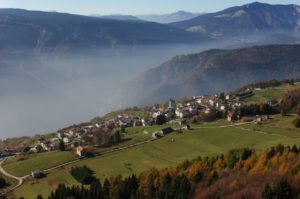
(206, 139)
(214, 71)
(241, 173)
(60, 31)
(139, 151)
(243, 20)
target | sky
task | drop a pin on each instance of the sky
(133, 7)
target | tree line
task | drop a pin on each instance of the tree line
(240, 173)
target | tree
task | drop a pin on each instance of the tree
(283, 190)
(39, 197)
(213, 178)
(61, 145)
(268, 192)
(166, 184)
(246, 153)
(117, 136)
(3, 182)
(106, 189)
(175, 187)
(294, 149)
(83, 174)
(198, 177)
(161, 119)
(222, 96)
(296, 122)
(298, 109)
(96, 190)
(185, 188)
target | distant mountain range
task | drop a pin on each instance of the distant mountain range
(169, 18)
(42, 31)
(118, 17)
(163, 18)
(243, 20)
(51, 31)
(214, 71)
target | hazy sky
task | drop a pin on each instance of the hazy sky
(129, 6)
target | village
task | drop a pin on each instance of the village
(109, 132)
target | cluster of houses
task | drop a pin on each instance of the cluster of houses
(180, 111)
(172, 112)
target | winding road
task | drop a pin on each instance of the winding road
(19, 179)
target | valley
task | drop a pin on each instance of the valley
(204, 139)
(132, 100)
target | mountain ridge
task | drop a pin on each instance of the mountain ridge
(214, 71)
(36, 29)
(245, 19)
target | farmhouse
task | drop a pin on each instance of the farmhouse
(232, 117)
(37, 174)
(162, 133)
(80, 151)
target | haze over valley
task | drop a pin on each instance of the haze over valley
(152, 99)
(59, 69)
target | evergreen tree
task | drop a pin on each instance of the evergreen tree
(175, 187)
(185, 188)
(3, 182)
(106, 189)
(166, 184)
(294, 149)
(161, 119)
(39, 197)
(150, 191)
(198, 177)
(213, 178)
(296, 122)
(61, 145)
(268, 192)
(283, 189)
(96, 190)
(117, 136)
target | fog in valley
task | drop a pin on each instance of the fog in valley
(41, 93)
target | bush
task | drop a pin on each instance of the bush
(3, 182)
(296, 122)
(83, 174)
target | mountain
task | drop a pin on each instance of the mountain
(247, 19)
(169, 18)
(214, 71)
(118, 17)
(37, 30)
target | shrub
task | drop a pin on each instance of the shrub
(83, 174)
(3, 182)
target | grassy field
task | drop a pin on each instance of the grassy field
(164, 152)
(204, 140)
(266, 94)
(20, 167)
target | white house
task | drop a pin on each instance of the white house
(66, 140)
